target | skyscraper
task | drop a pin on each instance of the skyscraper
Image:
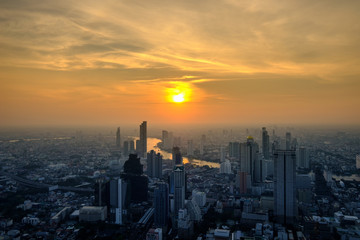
(131, 147)
(249, 158)
(179, 188)
(241, 182)
(176, 156)
(265, 143)
(243, 156)
(118, 138)
(117, 200)
(285, 186)
(111, 194)
(357, 161)
(138, 147)
(137, 182)
(234, 150)
(143, 139)
(288, 141)
(101, 192)
(259, 169)
(154, 164)
(161, 205)
(303, 158)
(126, 149)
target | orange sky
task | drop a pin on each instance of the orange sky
(116, 62)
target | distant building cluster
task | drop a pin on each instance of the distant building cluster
(222, 185)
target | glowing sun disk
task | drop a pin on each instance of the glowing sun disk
(178, 92)
(179, 98)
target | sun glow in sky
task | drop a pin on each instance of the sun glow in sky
(179, 92)
(238, 62)
(179, 98)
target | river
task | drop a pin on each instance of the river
(152, 145)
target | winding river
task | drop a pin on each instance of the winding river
(152, 145)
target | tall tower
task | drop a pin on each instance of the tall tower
(249, 159)
(131, 147)
(179, 188)
(176, 156)
(303, 158)
(288, 141)
(265, 143)
(117, 199)
(285, 186)
(118, 138)
(234, 150)
(154, 164)
(161, 204)
(126, 149)
(143, 139)
(242, 152)
(150, 162)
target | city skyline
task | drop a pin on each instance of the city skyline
(213, 62)
(220, 186)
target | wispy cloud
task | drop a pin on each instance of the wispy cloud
(219, 36)
(241, 52)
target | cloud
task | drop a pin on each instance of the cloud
(227, 51)
(217, 36)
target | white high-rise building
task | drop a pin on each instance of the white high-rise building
(285, 186)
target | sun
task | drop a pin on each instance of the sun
(178, 98)
(178, 92)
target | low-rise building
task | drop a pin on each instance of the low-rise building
(93, 214)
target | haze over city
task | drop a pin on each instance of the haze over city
(161, 120)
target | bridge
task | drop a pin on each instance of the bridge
(37, 185)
